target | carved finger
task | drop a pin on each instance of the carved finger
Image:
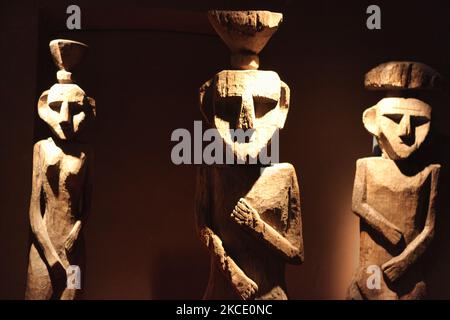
(393, 273)
(243, 204)
(238, 220)
(244, 213)
(247, 205)
(68, 245)
(389, 272)
(238, 215)
(242, 209)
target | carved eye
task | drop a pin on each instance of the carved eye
(75, 108)
(396, 117)
(228, 109)
(55, 106)
(418, 121)
(263, 105)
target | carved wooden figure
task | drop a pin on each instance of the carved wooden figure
(248, 215)
(61, 186)
(395, 194)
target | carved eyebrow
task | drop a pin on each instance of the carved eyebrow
(74, 105)
(408, 108)
(229, 98)
(264, 99)
(396, 117)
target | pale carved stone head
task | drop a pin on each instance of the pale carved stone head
(256, 102)
(400, 125)
(245, 99)
(65, 107)
(400, 122)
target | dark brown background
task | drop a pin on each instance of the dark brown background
(145, 64)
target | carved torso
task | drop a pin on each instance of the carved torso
(403, 199)
(269, 194)
(63, 180)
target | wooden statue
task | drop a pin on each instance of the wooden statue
(395, 194)
(248, 215)
(61, 185)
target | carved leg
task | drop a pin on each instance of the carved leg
(68, 294)
(39, 285)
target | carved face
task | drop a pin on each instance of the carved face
(254, 101)
(66, 109)
(401, 125)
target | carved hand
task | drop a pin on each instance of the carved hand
(245, 215)
(392, 233)
(72, 237)
(244, 286)
(394, 268)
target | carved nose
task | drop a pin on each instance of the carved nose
(247, 115)
(405, 132)
(404, 129)
(64, 115)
